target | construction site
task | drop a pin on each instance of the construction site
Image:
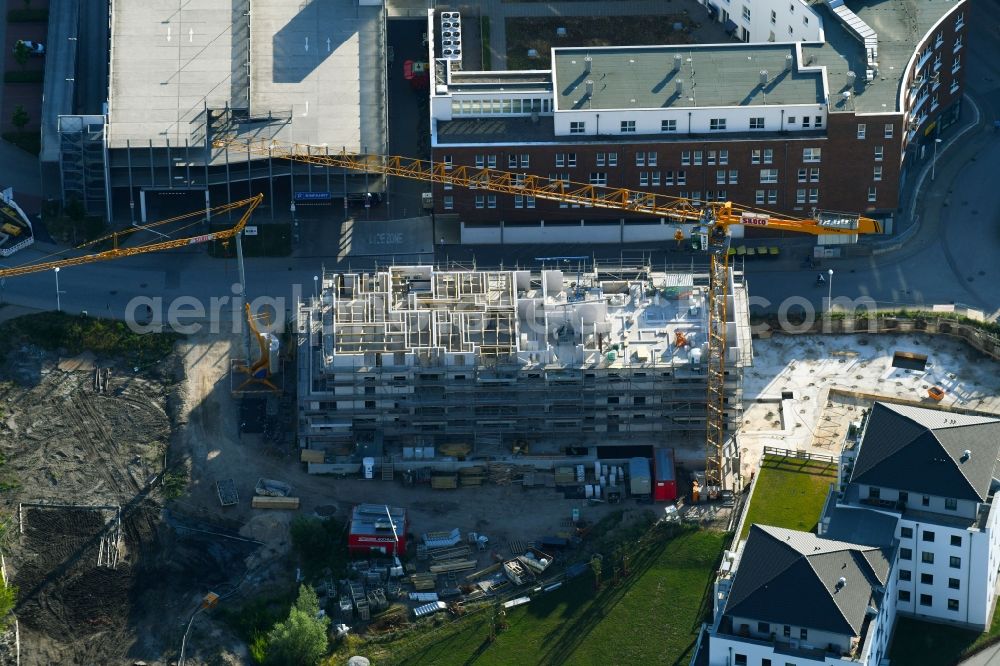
(474, 364)
(111, 566)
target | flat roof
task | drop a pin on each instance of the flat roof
(374, 519)
(644, 77)
(318, 65)
(900, 26)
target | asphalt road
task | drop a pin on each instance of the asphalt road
(950, 258)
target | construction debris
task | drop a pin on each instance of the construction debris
(261, 502)
(272, 488)
(226, 490)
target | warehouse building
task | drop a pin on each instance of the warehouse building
(544, 360)
(813, 92)
(180, 75)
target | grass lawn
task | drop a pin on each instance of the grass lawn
(789, 493)
(666, 597)
(930, 644)
(537, 33)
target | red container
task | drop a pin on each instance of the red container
(664, 475)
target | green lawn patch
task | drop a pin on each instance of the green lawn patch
(74, 334)
(789, 493)
(24, 76)
(538, 33)
(484, 41)
(27, 141)
(28, 15)
(651, 616)
(271, 240)
(930, 644)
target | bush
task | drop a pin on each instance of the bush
(320, 544)
(8, 597)
(174, 484)
(24, 76)
(27, 15)
(301, 639)
(57, 330)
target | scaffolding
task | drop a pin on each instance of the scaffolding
(491, 357)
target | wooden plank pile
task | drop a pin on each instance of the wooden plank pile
(444, 481)
(453, 553)
(423, 581)
(453, 565)
(471, 476)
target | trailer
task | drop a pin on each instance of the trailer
(640, 479)
(665, 474)
(429, 609)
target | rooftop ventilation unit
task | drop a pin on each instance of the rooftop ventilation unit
(680, 86)
(841, 582)
(590, 88)
(588, 64)
(851, 78)
(788, 62)
(677, 62)
(763, 77)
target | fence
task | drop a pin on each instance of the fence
(801, 455)
(929, 323)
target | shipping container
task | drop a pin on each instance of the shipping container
(665, 475)
(640, 479)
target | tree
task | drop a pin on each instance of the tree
(301, 639)
(20, 118)
(21, 53)
(8, 597)
(597, 566)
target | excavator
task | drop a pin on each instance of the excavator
(709, 222)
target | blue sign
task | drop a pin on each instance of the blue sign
(313, 196)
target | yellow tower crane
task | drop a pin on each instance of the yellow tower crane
(712, 220)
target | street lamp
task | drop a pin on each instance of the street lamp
(58, 301)
(829, 292)
(934, 161)
(316, 286)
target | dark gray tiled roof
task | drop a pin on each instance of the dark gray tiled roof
(922, 450)
(790, 577)
(864, 526)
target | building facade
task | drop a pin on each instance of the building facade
(775, 122)
(545, 359)
(912, 525)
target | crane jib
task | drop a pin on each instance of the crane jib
(202, 239)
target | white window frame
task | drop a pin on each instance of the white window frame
(448, 202)
(717, 124)
(887, 133)
(685, 158)
(627, 126)
(877, 173)
(698, 157)
(812, 155)
(651, 159)
(872, 194)
(768, 176)
(480, 161)
(800, 195)
(759, 197)
(640, 159)
(600, 159)
(577, 127)
(682, 177)
(879, 153)
(734, 176)
(768, 155)
(813, 195)
(668, 125)
(491, 201)
(598, 178)
(518, 201)
(612, 159)
(480, 201)
(862, 130)
(723, 157)
(720, 176)
(491, 161)
(813, 174)
(757, 123)
(560, 159)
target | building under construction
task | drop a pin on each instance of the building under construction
(504, 360)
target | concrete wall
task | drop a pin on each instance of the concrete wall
(689, 120)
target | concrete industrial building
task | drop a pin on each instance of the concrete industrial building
(815, 92)
(417, 356)
(911, 529)
(296, 72)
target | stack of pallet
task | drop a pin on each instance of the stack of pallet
(471, 476)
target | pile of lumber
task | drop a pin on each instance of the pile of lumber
(453, 565)
(503, 474)
(453, 553)
(423, 581)
(471, 476)
(444, 481)
(264, 502)
(565, 476)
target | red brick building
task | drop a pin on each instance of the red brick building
(830, 122)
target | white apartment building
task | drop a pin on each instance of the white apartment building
(910, 529)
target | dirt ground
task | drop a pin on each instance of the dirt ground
(65, 443)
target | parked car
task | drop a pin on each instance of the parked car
(34, 48)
